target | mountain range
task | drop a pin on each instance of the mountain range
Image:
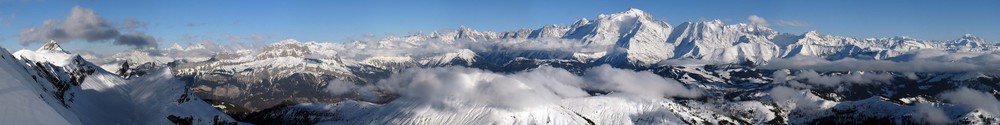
(691, 73)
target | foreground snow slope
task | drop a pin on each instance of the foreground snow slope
(55, 87)
(152, 99)
(24, 101)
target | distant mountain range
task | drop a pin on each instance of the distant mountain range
(750, 74)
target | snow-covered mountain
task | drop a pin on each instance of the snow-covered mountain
(713, 40)
(52, 86)
(749, 73)
(639, 35)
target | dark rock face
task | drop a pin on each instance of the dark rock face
(263, 94)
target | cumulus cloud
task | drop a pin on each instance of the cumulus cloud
(973, 98)
(80, 24)
(754, 19)
(919, 61)
(544, 85)
(794, 23)
(137, 39)
(84, 24)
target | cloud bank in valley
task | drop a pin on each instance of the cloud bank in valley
(611, 79)
(917, 61)
(930, 114)
(972, 98)
(813, 78)
(544, 85)
(801, 99)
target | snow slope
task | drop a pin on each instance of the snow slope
(24, 101)
(55, 87)
(108, 99)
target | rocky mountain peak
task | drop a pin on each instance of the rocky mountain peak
(52, 46)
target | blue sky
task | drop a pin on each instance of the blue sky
(184, 21)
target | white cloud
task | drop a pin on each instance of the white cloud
(799, 98)
(137, 39)
(473, 86)
(85, 24)
(930, 114)
(754, 19)
(814, 78)
(780, 76)
(972, 98)
(636, 82)
(690, 62)
(918, 61)
(544, 85)
(794, 23)
(854, 77)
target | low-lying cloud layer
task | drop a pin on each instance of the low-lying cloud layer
(813, 78)
(930, 114)
(918, 61)
(800, 98)
(636, 82)
(544, 85)
(85, 24)
(972, 98)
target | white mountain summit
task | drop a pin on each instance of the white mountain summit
(641, 37)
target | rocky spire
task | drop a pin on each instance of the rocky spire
(52, 46)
